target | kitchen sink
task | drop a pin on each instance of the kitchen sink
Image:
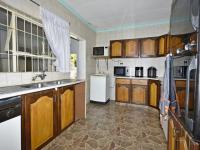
(35, 85)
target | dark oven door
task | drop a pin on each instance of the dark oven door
(119, 71)
(190, 95)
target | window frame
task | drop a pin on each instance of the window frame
(14, 51)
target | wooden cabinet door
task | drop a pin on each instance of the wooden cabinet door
(131, 48)
(139, 94)
(116, 49)
(66, 107)
(163, 45)
(39, 116)
(172, 144)
(154, 93)
(175, 42)
(123, 93)
(80, 101)
(181, 94)
(149, 47)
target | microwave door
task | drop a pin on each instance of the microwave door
(190, 87)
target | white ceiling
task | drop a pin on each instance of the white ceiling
(105, 15)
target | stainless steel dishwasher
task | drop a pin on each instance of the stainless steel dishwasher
(10, 123)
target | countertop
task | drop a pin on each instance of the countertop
(10, 91)
(139, 78)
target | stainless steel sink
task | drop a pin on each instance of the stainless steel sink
(34, 85)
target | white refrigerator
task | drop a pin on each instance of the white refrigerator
(99, 88)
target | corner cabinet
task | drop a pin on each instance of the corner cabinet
(39, 113)
(116, 49)
(123, 87)
(65, 107)
(163, 45)
(154, 93)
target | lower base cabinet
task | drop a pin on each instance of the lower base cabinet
(178, 137)
(138, 91)
(39, 113)
(47, 113)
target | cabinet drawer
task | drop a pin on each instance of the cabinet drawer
(140, 82)
(180, 83)
(123, 81)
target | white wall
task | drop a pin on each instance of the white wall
(76, 27)
(103, 39)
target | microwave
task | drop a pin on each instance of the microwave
(119, 71)
(100, 51)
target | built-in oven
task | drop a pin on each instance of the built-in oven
(119, 71)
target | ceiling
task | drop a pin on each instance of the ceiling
(110, 15)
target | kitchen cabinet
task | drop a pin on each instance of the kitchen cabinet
(154, 93)
(175, 42)
(47, 113)
(123, 90)
(66, 107)
(116, 49)
(139, 92)
(79, 101)
(38, 119)
(149, 47)
(181, 93)
(131, 48)
(163, 45)
(178, 137)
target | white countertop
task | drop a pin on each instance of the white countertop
(139, 78)
(10, 91)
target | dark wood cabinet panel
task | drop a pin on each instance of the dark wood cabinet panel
(139, 94)
(39, 118)
(154, 93)
(80, 101)
(149, 47)
(131, 48)
(116, 49)
(175, 42)
(181, 94)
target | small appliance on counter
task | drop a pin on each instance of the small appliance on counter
(138, 71)
(151, 72)
(129, 72)
(119, 71)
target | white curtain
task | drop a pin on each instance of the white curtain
(57, 33)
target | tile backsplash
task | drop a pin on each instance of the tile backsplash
(9, 79)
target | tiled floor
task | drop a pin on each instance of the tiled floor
(113, 127)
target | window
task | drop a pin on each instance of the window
(23, 44)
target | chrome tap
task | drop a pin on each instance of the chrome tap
(41, 76)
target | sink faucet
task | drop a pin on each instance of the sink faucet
(41, 76)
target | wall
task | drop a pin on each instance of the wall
(76, 27)
(103, 39)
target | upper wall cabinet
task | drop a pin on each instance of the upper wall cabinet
(163, 45)
(175, 42)
(149, 47)
(116, 49)
(131, 48)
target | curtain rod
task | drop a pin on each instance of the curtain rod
(35, 2)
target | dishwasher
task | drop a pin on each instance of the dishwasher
(10, 123)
